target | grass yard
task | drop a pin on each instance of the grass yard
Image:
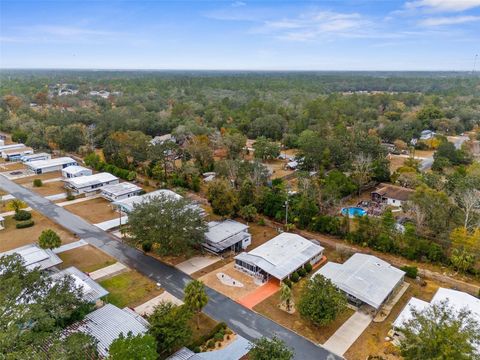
(130, 289)
(372, 341)
(86, 258)
(43, 177)
(11, 237)
(270, 309)
(94, 211)
(51, 188)
(206, 326)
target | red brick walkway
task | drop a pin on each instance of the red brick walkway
(260, 294)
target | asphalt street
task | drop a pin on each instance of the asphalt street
(240, 319)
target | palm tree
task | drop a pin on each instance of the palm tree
(286, 295)
(196, 298)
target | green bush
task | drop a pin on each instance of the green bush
(410, 271)
(22, 215)
(261, 222)
(295, 277)
(308, 267)
(196, 349)
(70, 196)
(24, 224)
(49, 239)
(147, 246)
(37, 183)
(287, 282)
(302, 272)
(218, 336)
(211, 344)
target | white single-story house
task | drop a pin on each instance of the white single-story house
(292, 165)
(2, 223)
(365, 279)
(45, 166)
(234, 350)
(127, 205)
(16, 154)
(279, 257)
(35, 257)
(392, 195)
(107, 323)
(91, 183)
(456, 299)
(11, 147)
(227, 235)
(120, 191)
(427, 135)
(76, 171)
(36, 157)
(91, 290)
(157, 140)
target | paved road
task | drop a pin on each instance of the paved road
(242, 320)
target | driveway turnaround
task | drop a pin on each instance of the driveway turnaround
(346, 334)
(240, 319)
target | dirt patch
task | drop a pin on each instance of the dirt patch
(372, 341)
(51, 188)
(94, 211)
(318, 334)
(86, 258)
(277, 168)
(232, 292)
(260, 234)
(8, 166)
(11, 237)
(43, 177)
(396, 162)
(130, 289)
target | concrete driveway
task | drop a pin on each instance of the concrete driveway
(348, 333)
(197, 263)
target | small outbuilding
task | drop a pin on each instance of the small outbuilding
(227, 235)
(279, 257)
(35, 257)
(120, 191)
(36, 157)
(391, 195)
(365, 279)
(90, 184)
(45, 166)
(76, 171)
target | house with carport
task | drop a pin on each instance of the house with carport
(279, 257)
(225, 236)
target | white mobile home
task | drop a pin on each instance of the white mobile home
(11, 147)
(365, 279)
(279, 257)
(90, 184)
(228, 235)
(75, 171)
(16, 154)
(45, 166)
(120, 191)
(36, 157)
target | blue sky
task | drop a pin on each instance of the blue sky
(241, 34)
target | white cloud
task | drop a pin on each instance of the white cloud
(238, 3)
(443, 5)
(316, 24)
(453, 20)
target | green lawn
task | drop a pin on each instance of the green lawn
(130, 289)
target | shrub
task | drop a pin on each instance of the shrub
(211, 344)
(70, 196)
(410, 271)
(37, 183)
(25, 224)
(218, 336)
(196, 349)
(147, 246)
(49, 239)
(308, 267)
(287, 282)
(302, 272)
(261, 222)
(295, 277)
(22, 215)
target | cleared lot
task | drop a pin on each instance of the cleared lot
(11, 237)
(94, 211)
(86, 258)
(43, 177)
(51, 188)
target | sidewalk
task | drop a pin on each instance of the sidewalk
(108, 271)
(70, 246)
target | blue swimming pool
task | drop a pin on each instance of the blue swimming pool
(353, 212)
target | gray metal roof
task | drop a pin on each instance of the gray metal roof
(91, 180)
(91, 290)
(121, 189)
(233, 351)
(223, 234)
(107, 323)
(365, 277)
(35, 257)
(282, 255)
